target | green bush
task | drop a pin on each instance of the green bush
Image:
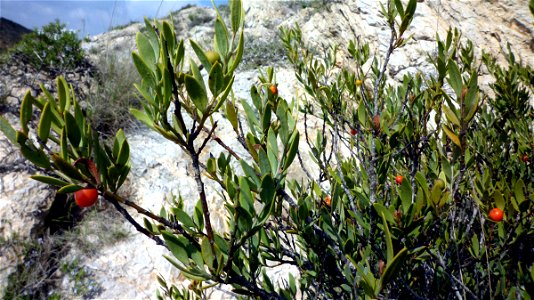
(407, 173)
(53, 47)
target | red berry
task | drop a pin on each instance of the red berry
(86, 197)
(524, 158)
(353, 131)
(398, 179)
(496, 214)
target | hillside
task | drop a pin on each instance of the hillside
(116, 261)
(10, 33)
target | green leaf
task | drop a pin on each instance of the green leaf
(267, 195)
(399, 7)
(246, 200)
(8, 130)
(224, 94)
(71, 188)
(293, 148)
(239, 53)
(231, 115)
(73, 132)
(216, 80)
(66, 168)
(519, 191)
(63, 144)
(207, 254)
(169, 35)
(455, 78)
(236, 14)
(381, 210)
(49, 180)
(146, 50)
(393, 267)
(62, 93)
(201, 55)
(498, 199)
(143, 117)
(452, 136)
(389, 242)
(124, 154)
(451, 116)
(196, 92)
(43, 131)
(250, 172)
(143, 69)
(405, 193)
(185, 219)
(177, 245)
(221, 37)
(26, 110)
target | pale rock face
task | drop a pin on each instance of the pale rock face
(128, 268)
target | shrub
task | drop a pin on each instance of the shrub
(53, 47)
(351, 229)
(112, 96)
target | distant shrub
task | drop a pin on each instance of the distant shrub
(52, 47)
(113, 95)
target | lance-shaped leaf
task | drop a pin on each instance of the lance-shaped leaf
(71, 188)
(49, 180)
(143, 117)
(170, 37)
(216, 79)
(239, 53)
(292, 151)
(207, 253)
(64, 167)
(143, 69)
(43, 131)
(225, 94)
(452, 136)
(63, 94)
(451, 116)
(196, 92)
(63, 144)
(455, 78)
(8, 130)
(124, 154)
(405, 193)
(393, 266)
(36, 156)
(201, 55)
(389, 242)
(221, 37)
(26, 110)
(267, 195)
(146, 50)
(73, 131)
(236, 14)
(231, 115)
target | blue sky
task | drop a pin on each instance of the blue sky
(90, 17)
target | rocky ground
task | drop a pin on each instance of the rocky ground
(114, 260)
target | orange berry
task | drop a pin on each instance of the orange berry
(398, 179)
(274, 89)
(496, 214)
(358, 82)
(328, 200)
